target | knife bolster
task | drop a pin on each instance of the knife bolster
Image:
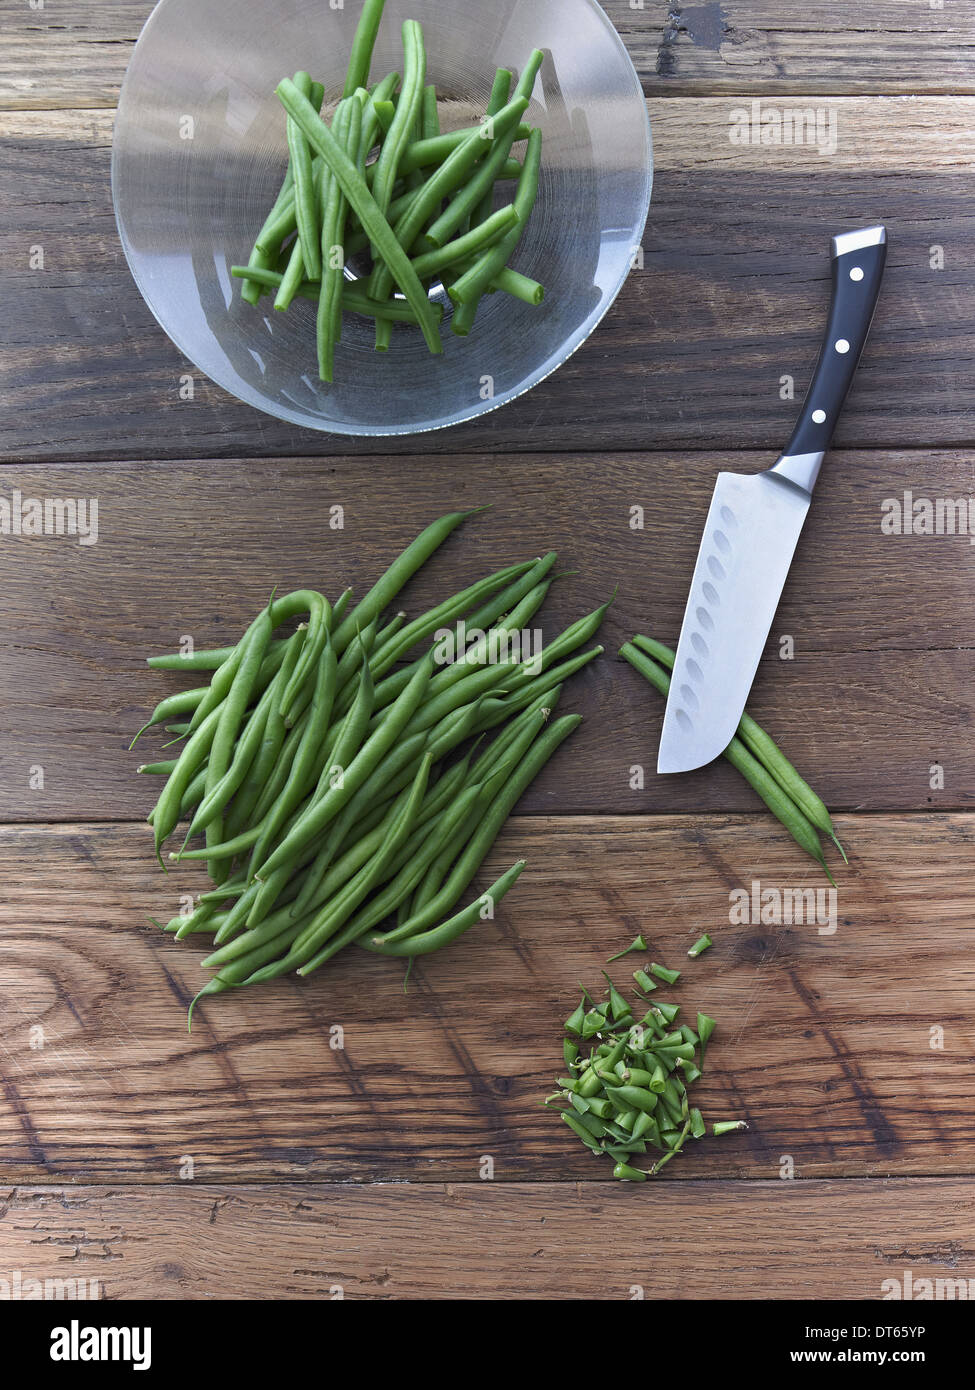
(801, 469)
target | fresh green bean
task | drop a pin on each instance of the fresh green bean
(492, 232)
(358, 241)
(488, 769)
(192, 923)
(370, 117)
(758, 778)
(319, 627)
(340, 755)
(509, 281)
(274, 734)
(313, 795)
(285, 222)
(764, 748)
(445, 613)
(353, 657)
(354, 301)
(501, 645)
(538, 755)
(330, 919)
(399, 573)
(469, 197)
(281, 610)
(368, 210)
(518, 286)
(498, 604)
(305, 769)
(371, 835)
(347, 129)
(275, 234)
(385, 114)
(225, 735)
(464, 315)
(192, 661)
(432, 193)
(213, 660)
(405, 118)
(574, 637)
(265, 246)
(286, 750)
(363, 46)
(306, 200)
(405, 871)
(424, 153)
(239, 972)
(545, 705)
(244, 751)
(495, 712)
(389, 778)
(235, 919)
(521, 597)
(227, 849)
(167, 812)
(185, 702)
(425, 943)
(331, 801)
(389, 629)
(279, 926)
(476, 281)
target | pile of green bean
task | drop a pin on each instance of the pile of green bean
(343, 783)
(757, 757)
(631, 1090)
(423, 210)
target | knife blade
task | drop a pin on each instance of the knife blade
(753, 528)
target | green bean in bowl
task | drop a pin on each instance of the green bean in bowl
(379, 176)
(380, 219)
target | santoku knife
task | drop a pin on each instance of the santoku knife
(753, 528)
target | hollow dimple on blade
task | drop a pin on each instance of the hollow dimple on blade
(746, 550)
(689, 670)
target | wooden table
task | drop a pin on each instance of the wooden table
(259, 1159)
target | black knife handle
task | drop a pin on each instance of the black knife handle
(858, 269)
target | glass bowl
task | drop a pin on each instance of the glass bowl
(199, 152)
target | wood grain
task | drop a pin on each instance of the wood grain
(736, 273)
(878, 692)
(876, 46)
(56, 56)
(825, 1042)
(818, 1240)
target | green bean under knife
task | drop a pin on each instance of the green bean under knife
(770, 774)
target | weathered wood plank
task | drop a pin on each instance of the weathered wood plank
(878, 692)
(818, 1240)
(55, 55)
(731, 300)
(874, 46)
(825, 1043)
